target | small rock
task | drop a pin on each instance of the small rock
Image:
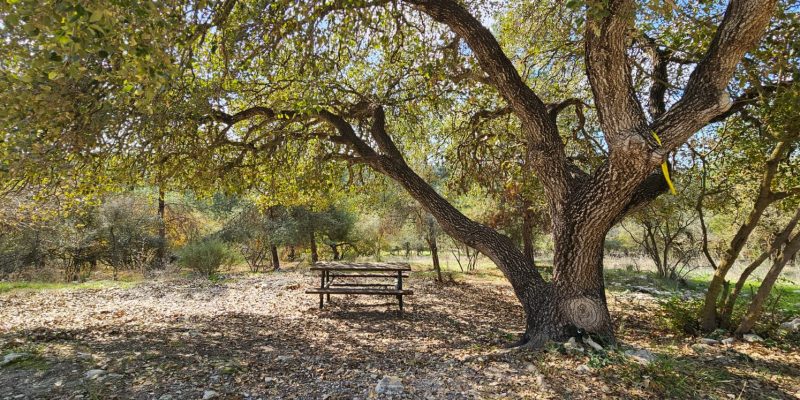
(588, 340)
(709, 341)
(11, 357)
(165, 397)
(94, 373)
(572, 347)
(752, 338)
(728, 341)
(530, 367)
(283, 358)
(389, 385)
(701, 348)
(209, 394)
(791, 326)
(641, 356)
(583, 369)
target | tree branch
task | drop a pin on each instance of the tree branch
(705, 96)
(660, 78)
(607, 67)
(545, 147)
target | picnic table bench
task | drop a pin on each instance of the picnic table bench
(348, 278)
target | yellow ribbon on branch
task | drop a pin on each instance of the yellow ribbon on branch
(665, 169)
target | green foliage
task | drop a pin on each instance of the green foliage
(681, 315)
(128, 229)
(206, 257)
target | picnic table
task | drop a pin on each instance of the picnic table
(380, 279)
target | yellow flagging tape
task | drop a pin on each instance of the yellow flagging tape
(665, 169)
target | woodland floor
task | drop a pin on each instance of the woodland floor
(261, 336)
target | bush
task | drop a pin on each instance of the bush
(128, 228)
(206, 257)
(681, 315)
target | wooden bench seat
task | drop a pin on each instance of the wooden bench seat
(346, 275)
(361, 290)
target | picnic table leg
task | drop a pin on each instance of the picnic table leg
(322, 286)
(329, 279)
(400, 287)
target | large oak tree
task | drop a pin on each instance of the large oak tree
(251, 92)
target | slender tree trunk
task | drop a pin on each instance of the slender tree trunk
(161, 250)
(335, 250)
(730, 300)
(527, 233)
(276, 261)
(757, 304)
(708, 317)
(313, 244)
(435, 256)
(782, 239)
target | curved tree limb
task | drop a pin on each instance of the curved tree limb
(609, 74)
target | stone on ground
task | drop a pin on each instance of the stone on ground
(11, 357)
(752, 338)
(94, 373)
(389, 385)
(572, 347)
(791, 326)
(642, 356)
(729, 341)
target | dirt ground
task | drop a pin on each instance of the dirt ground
(262, 337)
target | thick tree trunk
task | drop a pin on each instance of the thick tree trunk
(578, 278)
(312, 241)
(276, 261)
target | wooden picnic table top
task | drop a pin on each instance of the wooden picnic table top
(372, 267)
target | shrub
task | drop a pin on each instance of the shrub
(206, 257)
(681, 315)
